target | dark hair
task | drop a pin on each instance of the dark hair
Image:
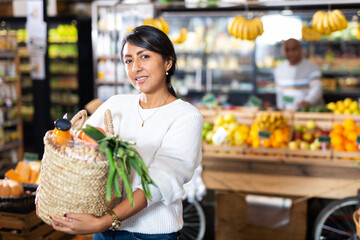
(153, 40)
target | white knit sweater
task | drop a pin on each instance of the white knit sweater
(169, 144)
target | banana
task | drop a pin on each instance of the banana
(182, 36)
(244, 32)
(240, 29)
(165, 25)
(334, 23)
(341, 17)
(148, 21)
(238, 20)
(325, 23)
(317, 21)
(259, 26)
(129, 29)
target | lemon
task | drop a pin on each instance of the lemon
(219, 120)
(340, 104)
(347, 101)
(331, 106)
(229, 118)
(354, 106)
(347, 111)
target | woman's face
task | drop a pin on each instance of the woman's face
(145, 69)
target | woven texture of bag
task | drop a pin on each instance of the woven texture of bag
(73, 179)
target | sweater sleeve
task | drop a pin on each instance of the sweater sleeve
(315, 92)
(176, 159)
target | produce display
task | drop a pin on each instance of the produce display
(275, 131)
(347, 106)
(326, 23)
(298, 136)
(306, 137)
(309, 34)
(344, 136)
(245, 29)
(10, 188)
(25, 172)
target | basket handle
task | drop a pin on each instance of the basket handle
(79, 119)
(108, 122)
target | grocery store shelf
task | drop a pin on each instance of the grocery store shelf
(62, 43)
(113, 57)
(341, 73)
(353, 92)
(64, 73)
(10, 123)
(11, 145)
(7, 54)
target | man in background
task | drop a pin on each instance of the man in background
(297, 80)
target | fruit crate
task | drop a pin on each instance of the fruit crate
(320, 125)
(341, 117)
(223, 151)
(15, 226)
(267, 153)
(346, 158)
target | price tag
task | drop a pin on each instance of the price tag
(31, 156)
(324, 139)
(288, 99)
(264, 134)
(255, 101)
(219, 137)
(358, 140)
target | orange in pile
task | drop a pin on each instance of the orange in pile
(278, 138)
(343, 136)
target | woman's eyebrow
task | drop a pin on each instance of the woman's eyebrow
(137, 53)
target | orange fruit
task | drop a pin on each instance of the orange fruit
(351, 136)
(338, 127)
(351, 147)
(256, 143)
(337, 140)
(267, 143)
(349, 124)
(339, 148)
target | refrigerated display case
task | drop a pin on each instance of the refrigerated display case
(111, 20)
(69, 65)
(213, 61)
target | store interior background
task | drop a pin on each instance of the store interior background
(82, 58)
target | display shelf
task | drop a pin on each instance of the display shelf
(11, 145)
(10, 123)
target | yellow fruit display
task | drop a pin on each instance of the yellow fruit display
(159, 23)
(347, 106)
(245, 29)
(274, 123)
(182, 37)
(309, 34)
(326, 23)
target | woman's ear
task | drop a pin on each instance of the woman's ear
(169, 63)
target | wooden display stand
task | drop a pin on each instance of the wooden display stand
(231, 215)
(14, 226)
(235, 171)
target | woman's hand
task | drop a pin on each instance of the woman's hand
(81, 223)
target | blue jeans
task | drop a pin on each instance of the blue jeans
(125, 235)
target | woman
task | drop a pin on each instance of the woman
(167, 133)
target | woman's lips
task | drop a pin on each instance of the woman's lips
(140, 79)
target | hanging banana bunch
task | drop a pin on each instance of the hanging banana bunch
(129, 29)
(309, 34)
(326, 23)
(159, 23)
(245, 29)
(358, 32)
(182, 37)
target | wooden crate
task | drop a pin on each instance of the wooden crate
(212, 151)
(14, 226)
(265, 154)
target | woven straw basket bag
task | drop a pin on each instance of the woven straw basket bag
(73, 178)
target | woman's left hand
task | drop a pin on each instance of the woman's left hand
(80, 223)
